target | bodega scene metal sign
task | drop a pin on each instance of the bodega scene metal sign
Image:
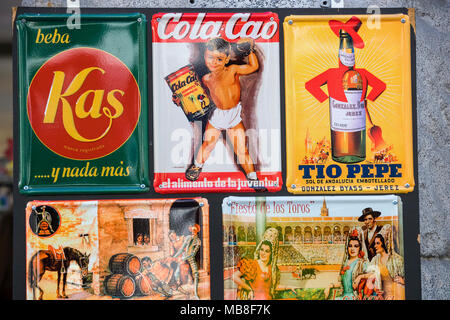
(147, 249)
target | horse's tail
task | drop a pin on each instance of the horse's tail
(32, 272)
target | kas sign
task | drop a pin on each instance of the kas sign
(83, 104)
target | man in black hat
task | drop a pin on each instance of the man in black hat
(370, 230)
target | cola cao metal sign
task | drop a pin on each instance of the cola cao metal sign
(83, 104)
(216, 98)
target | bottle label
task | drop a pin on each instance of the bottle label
(348, 116)
(347, 59)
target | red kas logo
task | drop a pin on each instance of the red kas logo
(83, 103)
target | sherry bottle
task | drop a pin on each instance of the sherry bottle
(348, 119)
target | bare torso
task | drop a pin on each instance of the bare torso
(224, 87)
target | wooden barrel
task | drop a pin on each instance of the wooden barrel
(125, 263)
(143, 285)
(120, 285)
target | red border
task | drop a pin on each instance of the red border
(212, 177)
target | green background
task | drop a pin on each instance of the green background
(122, 35)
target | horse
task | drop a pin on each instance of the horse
(47, 260)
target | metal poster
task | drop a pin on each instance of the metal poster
(118, 249)
(216, 97)
(313, 248)
(348, 104)
(83, 104)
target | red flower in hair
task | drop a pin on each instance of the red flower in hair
(361, 254)
(354, 233)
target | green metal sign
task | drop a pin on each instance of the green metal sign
(83, 104)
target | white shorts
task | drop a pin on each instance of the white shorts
(226, 119)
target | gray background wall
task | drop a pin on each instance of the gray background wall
(433, 114)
